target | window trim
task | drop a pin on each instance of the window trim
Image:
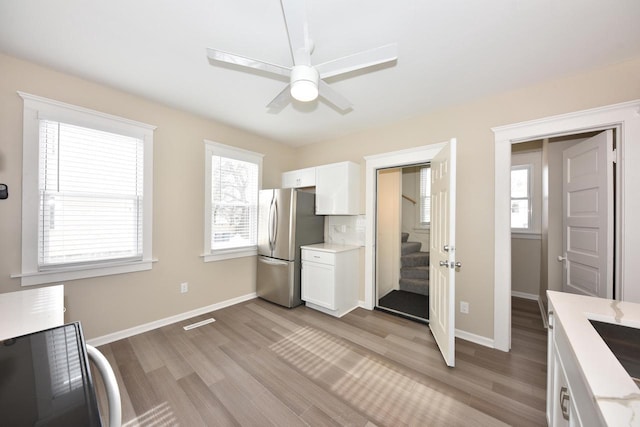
(212, 148)
(420, 226)
(529, 168)
(36, 108)
(533, 159)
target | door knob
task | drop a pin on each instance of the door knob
(445, 248)
(457, 264)
(444, 263)
(561, 258)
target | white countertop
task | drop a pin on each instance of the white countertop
(330, 247)
(31, 310)
(616, 395)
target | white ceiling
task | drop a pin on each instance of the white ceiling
(448, 52)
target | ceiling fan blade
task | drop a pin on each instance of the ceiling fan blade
(333, 97)
(280, 101)
(231, 58)
(295, 16)
(357, 61)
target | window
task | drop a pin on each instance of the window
(87, 183)
(521, 202)
(233, 179)
(424, 205)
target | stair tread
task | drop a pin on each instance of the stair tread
(419, 286)
(407, 248)
(415, 259)
(417, 272)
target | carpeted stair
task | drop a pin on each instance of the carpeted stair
(414, 271)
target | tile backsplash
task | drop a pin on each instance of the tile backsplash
(345, 229)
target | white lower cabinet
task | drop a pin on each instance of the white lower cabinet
(330, 278)
(569, 402)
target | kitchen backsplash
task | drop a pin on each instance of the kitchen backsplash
(345, 229)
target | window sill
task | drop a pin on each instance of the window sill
(84, 272)
(423, 230)
(223, 254)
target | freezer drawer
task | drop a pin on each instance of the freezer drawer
(276, 282)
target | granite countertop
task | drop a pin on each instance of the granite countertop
(330, 247)
(616, 394)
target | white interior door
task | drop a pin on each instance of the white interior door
(587, 191)
(442, 251)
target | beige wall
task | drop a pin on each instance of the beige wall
(525, 265)
(388, 228)
(471, 124)
(113, 303)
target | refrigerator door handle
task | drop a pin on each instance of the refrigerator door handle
(275, 223)
(272, 261)
(270, 226)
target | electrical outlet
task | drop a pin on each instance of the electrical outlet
(464, 307)
(184, 287)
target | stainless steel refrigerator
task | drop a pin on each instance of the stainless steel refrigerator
(286, 221)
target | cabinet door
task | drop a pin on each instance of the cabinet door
(299, 178)
(561, 400)
(338, 189)
(318, 284)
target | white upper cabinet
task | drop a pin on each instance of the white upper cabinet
(338, 189)
(299, 178)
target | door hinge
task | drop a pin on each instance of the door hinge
(614, 155)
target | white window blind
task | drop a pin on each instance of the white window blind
(91, 196)
(520, 197)
(425, 195)
(234, 203)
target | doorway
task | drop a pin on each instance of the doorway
(442, 241)
(625, 118)
(541, 186)
(402, 236)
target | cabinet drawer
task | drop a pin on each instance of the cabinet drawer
(318, 256)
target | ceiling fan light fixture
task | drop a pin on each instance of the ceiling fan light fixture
(304, 83)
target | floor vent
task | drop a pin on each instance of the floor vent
(198, 324)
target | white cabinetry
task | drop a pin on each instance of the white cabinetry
(566, 388)
(299, 178)
(586, 382)
(330, 278)
(338, 189)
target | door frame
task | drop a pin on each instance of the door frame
(626, 118)
(393, 159)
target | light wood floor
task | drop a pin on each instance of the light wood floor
(262, 365)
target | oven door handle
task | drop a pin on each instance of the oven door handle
(110, 385)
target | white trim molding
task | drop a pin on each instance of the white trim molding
(126, 333)
(37, 108)
(400, 158)
(625, 117)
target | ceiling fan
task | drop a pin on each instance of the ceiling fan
(306, 80)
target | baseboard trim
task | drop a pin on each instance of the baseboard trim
(467, 336)
(478, 339)
(126, 333)
(543, 313)
(525, 295)
(536, 298)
